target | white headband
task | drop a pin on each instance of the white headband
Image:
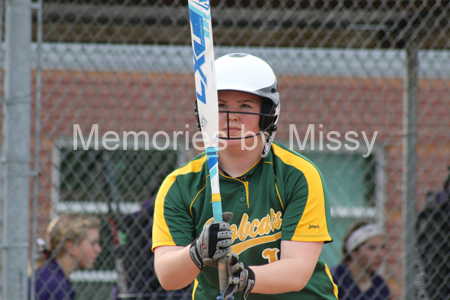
(361, 235)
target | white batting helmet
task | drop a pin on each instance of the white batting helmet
(247, 73)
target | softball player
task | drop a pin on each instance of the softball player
(363, 251)
(279, 212)
(72, 244)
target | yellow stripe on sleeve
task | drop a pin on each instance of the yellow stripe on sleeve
(161, 234)
(313, 226)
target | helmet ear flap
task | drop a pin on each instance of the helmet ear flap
(267, 108)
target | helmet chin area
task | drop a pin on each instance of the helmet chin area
(227, 137)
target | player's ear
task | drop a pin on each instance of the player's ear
(71, 248)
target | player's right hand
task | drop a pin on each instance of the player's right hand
(240, 278)
(213, 243)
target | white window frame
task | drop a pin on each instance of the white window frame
(99, 208)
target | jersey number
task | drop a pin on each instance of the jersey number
(271, 254)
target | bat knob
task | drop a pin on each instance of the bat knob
(221, 298)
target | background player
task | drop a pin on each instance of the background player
(278, 199)
(363, 252)
(72, 244)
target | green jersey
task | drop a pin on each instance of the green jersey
(282, 197)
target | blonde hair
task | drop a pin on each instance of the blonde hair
(64, 228)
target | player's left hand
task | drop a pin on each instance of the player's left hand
(240, 277)
(213, 243)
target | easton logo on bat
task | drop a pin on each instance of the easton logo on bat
(203, 122)
(200, 30)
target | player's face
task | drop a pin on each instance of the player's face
(88, 249)
(370, 254)
(239, 124)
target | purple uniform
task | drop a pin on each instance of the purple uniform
(52, 283)
(349, 290)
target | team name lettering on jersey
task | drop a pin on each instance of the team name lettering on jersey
(265, 226)
(260, 232)
(256, 227)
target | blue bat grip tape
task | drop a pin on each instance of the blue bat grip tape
(217, 211)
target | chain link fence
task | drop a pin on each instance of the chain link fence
(115, 85)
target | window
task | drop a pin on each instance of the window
(355, 188)
(100, 182)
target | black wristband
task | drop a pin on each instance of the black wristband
(250, 283)
(195, 256)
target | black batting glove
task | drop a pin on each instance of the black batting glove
(213, 243)
(240, 278)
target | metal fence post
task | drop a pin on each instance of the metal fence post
(16, 148)
(410, 101)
